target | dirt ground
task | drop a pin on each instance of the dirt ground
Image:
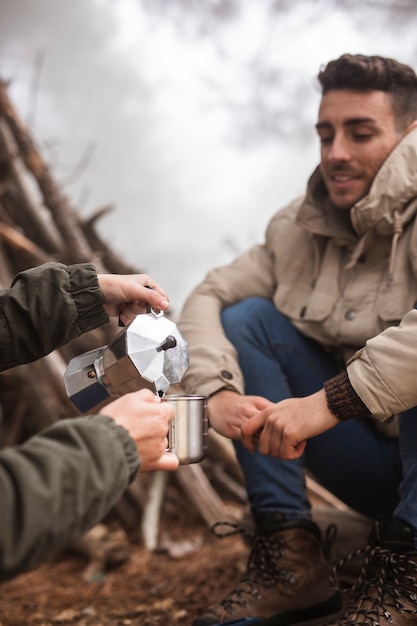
(168, 587)
(149, 589)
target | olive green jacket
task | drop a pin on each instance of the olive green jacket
(62, 481)
(341, 277)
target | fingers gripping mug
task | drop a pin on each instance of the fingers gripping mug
(187, 435)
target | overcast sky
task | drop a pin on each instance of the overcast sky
(174, 118)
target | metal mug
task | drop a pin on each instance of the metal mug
(187, 435)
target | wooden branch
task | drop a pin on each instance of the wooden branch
(31, 216)
(199, 490)
(219, 477)
(324, 495)
(27, 413)
(152, 512)
(6, 271)
(38, 223)
(16, 240)
(221, 449)
(129, 510)
(65, 216)
(112, 261)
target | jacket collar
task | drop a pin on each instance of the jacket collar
(394, 186)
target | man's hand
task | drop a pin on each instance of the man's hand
(125, 296)
(146, 419)
(283, 429)
(228, 410)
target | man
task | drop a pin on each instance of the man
(65, 479)
(337, 268)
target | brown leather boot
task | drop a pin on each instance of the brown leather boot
(386, 591)
(287, 581)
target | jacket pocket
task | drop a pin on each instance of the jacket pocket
(394, 302)
(305, 306)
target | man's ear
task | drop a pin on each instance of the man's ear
(411, 126)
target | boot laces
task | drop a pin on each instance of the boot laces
(262, 567)
(386, 579)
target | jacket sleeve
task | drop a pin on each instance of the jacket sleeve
(342, 399)
(213, 358)
(383, 372)
(45, 308)
(59, 484)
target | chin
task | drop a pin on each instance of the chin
(343, 206)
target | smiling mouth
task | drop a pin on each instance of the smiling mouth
(343, 178)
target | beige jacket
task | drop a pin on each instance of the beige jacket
(341, 278)
(383, 372)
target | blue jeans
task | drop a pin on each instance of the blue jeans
(371, 473)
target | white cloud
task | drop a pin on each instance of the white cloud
(157, 105)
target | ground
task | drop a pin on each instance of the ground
(168, 587)
(149, 589)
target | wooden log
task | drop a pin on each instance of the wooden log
(317, 492)
(128, 512)
(221, 449)
(223, 481)
(29, 403)
(6, 270)
(28, 225)
(200, 492)
(152, 511)
(64, 213)
(25, 208)
(15, 239)
(112, 261)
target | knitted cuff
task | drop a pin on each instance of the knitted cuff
(342, 399)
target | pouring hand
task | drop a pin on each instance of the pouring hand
(228, 410)
(283, 429)
(125, 296)
(146, 419)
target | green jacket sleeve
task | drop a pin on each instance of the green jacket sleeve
(63, 480)
(59, 484)
(45, 308)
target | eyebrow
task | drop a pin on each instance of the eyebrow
(353, 121)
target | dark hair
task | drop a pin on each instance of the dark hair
(367, 73)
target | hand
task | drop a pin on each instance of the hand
(228, 410)
(146, 419)
(125, 296)
(286, 426)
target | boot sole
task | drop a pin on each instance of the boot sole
(330, 610)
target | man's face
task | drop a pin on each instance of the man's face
(357, 132)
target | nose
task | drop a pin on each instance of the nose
(338, 149)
